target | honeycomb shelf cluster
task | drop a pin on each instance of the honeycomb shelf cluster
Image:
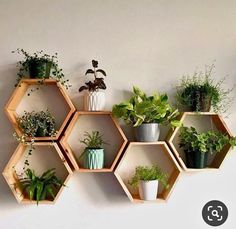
(63, 150)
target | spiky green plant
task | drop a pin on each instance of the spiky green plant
(40, 187)
(93, 140)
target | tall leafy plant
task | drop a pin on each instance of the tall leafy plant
(141, 108)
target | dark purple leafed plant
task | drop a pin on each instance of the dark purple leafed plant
(98, 82)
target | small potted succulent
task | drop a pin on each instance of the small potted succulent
(93, 154)
(42, 187)
(147, 179)
(200, 92)
(145, 113)
(37, 124)
(94, 97)
(197, 146)
(40, 66)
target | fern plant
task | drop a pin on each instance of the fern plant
(148, 173)
(40, 187)
(200, 92)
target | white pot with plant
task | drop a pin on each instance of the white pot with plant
(147, 179)
(94, 97)
(145, 113)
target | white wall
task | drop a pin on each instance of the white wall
(138, 42)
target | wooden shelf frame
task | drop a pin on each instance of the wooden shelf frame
(218, 123)
(9, 173)
(163, 150)
(68, 149)
(18, 94)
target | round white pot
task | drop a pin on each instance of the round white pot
(94, 101)
(148, 189)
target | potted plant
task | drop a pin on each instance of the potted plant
(94, 98)
(145, 113)
(93, 153)
(197, 146)
(200, 92)
(40, 187)
(40, 66)
(147, 179)
(37, 124)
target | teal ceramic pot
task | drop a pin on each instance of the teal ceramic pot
(94, 158)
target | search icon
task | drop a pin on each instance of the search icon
(215, 213)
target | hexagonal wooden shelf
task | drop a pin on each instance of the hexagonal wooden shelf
(202, 121)
(51, 95)
(101, 121)
(147, 154)
(49, 155)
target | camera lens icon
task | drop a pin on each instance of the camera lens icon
(215, 213)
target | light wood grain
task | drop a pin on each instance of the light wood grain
(218, 123)
(123, 167)
(68, 150)
(11, 177)
(18, 94)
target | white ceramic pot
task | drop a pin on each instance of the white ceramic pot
(148, 189)
(94, 101)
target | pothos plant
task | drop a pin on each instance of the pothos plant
(98, 82)
(206, 142)
(141, 108)
(200, 92)
(40, 58)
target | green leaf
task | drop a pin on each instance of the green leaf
(137, 91)
(176, 123)
(48, 174)
(39, 189)
(50, 191)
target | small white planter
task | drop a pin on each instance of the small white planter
(94, 101)
(148, 189)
